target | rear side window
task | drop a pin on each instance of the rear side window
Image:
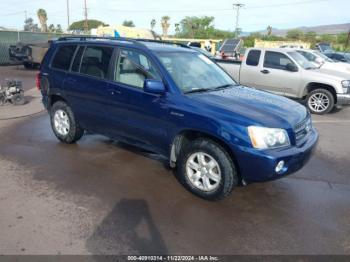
(253, 57)
(276, 60)
(96, 61)
(63, 57)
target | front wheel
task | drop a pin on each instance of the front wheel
(320, 101)
(206, 169)
(18, 99)
(64, 124)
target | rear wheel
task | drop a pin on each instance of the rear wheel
(207, 170)
(64, 124)
(320, 101)
(18, 99)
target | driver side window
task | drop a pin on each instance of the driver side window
(276, 60)
(133, 68)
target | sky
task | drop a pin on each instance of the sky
(255, 15)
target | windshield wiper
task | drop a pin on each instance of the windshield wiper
(223, 87)
(198, 90)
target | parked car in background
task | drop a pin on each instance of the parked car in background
(324, 47)
(323, 61)
(292, 46)
(337, 56)
(176, 102)
(29, 54)
(288, 73)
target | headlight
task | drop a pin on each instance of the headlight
(346, 85)
(264, 138)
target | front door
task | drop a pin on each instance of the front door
(140, 115)
(274, 75)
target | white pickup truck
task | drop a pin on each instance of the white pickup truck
(288, 73)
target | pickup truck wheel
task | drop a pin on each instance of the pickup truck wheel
(64, 124)
(207, 170)
(320, 101)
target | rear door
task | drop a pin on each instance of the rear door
(59, 67)
(139, 115)
(87, 86)
(250, 73)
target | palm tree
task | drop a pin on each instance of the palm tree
(153, 24)
(165, 25)
(42, 15)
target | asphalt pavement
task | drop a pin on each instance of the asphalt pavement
(100, 196)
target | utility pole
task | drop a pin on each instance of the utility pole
(25, 15)
(237, 7)
(68, 15)
(86, 27)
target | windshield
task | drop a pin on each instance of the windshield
(301, 60)
(324, 57)
(194, 72)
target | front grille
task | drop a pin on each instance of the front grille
(302, 129)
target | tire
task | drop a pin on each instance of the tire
(28, 65)
(320, 101)
(18, 99)
(211, 151)
(64, 124)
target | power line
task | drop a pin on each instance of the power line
(213, 9)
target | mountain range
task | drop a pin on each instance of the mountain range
(322, 29)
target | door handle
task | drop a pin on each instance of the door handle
(265, 71)
(114, 92)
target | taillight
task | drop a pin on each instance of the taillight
(37, 81)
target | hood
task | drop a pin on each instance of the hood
(257, 107)
(333, 74)
(337, 67)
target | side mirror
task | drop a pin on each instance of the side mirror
(292, 67)
(319, 60)
(154, 86)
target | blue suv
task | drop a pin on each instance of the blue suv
(174, 101)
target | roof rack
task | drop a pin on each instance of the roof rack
(132, 40)
(162, 42)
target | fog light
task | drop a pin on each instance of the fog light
(279, 166)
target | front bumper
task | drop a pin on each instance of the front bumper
(259, 165)
(343, 99)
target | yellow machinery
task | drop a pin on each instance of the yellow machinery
(277, 44)
(124, 31)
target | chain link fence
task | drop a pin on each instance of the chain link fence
(8, 38)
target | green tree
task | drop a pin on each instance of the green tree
(42, 16)
(295, 34)
(52, 28)
(269, 30)
(128, 23)
(59, 29)
(92, 23)
(198, 27)
(310, 36)
(30, 26)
